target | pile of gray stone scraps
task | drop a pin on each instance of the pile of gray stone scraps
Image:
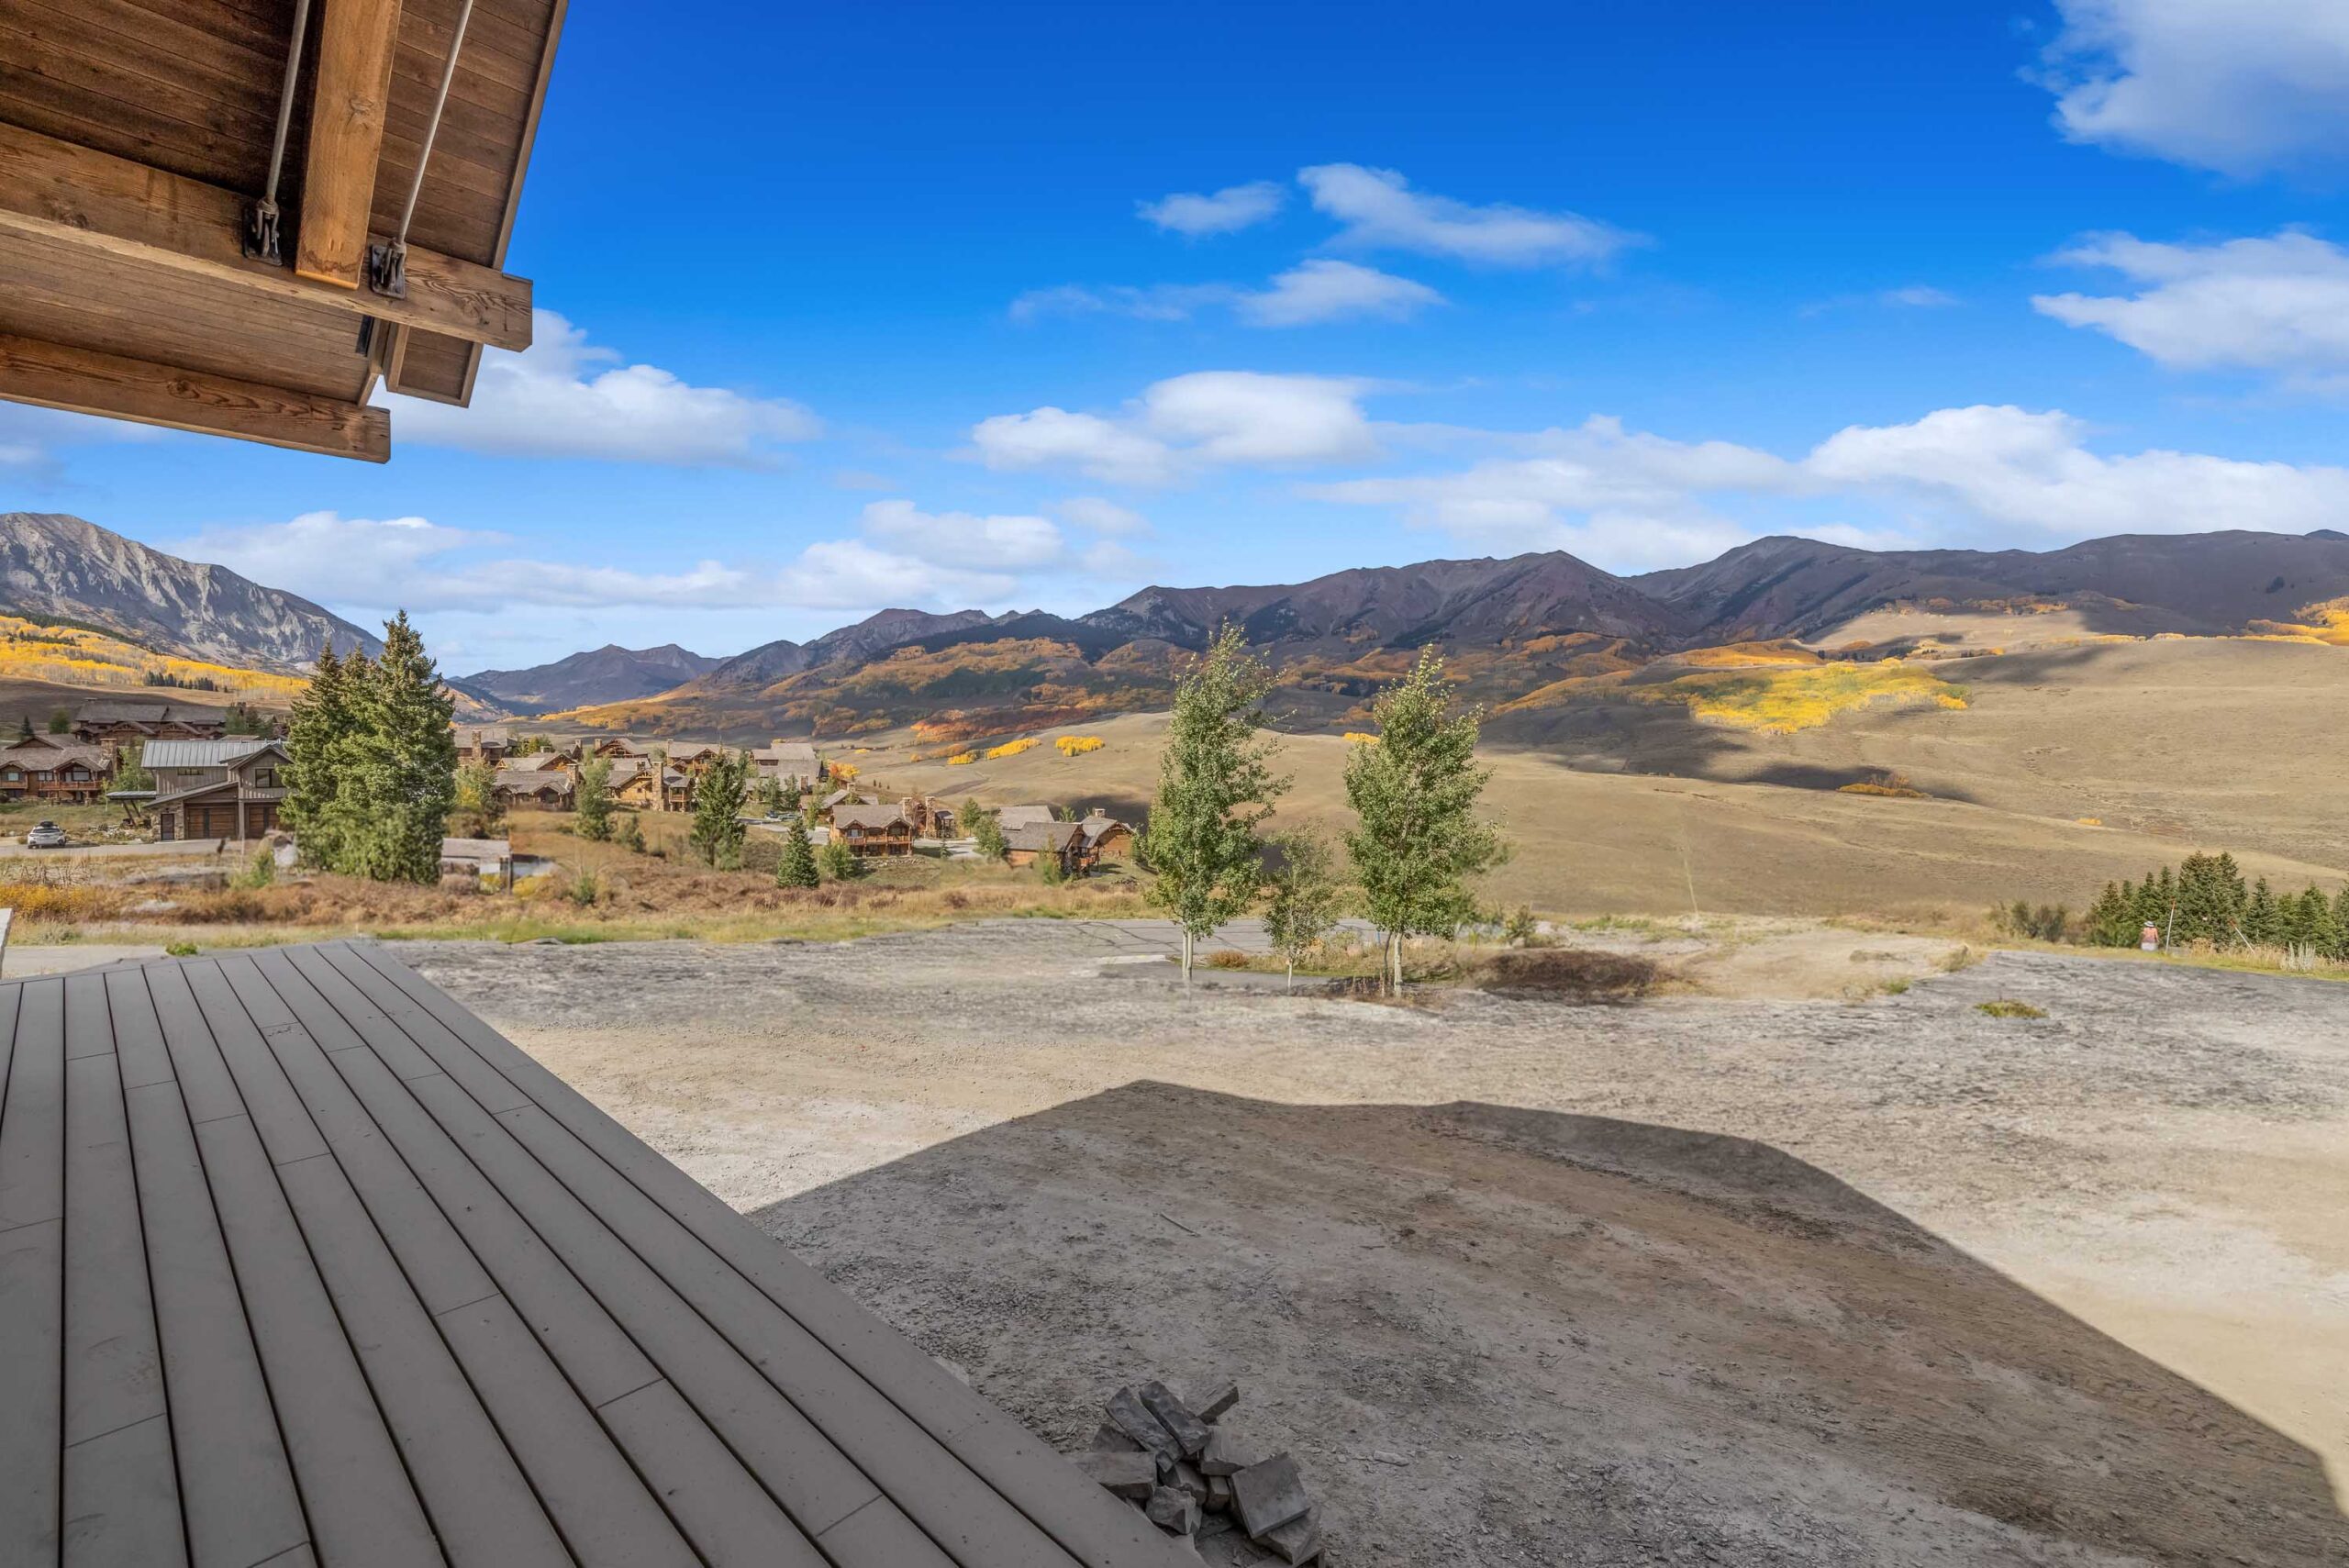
(1172, 1461)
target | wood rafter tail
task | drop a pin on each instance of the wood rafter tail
(82, 381)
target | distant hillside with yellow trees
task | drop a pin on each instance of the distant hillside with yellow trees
(79, 656)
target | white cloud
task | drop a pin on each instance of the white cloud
(1188, 422)
(362, 564)
(1243, 416)
(1229, 210)
(1637, 500)
(1381, 211)
(962, 538)
(550, 401)
(1054, 437)
(2240, 87)
(2278, 304)
(1919, 296)
(1320, 290)
(1105, 517)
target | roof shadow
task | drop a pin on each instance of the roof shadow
(1478, 1323)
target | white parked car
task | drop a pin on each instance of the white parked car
(45, 835)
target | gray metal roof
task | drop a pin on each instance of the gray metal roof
(306, 1264)
(202, 754)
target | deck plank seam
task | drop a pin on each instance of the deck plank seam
(938, 1440)
(392, 1255)
(470, 1029)
(237, 1280)
(342, 1326)
(555, 1254)
(492, 1116)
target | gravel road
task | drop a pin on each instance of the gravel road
(1693, 1280)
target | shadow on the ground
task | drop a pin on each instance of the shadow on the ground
(1530, 1337)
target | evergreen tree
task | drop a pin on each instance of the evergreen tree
(25, 728)
(1302, 895)
(718, 827)
(770, 795)
(319, 738)
(402, 777)
(795, 867)
(2341, 919)
(2307, 921)
(591, 800)
(61, 722)
(1215, 787)
(2112, 919)
(2262, 919)
(1418, 839)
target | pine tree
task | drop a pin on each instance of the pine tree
(1302, 895)
(1419, 840)
(25, 728)
(1214, 788)
(770, 795)
(2262, 919)
(2111, 921)
(795, 867)
(402, 779)
(718, 827)
(318, 737)
(591, 800)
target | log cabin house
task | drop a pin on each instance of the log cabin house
(875, 830)
(216, 789)
(633, 783)
(791, 763)
(483, 743)
(116, 724)
(549, 789)
(1009, 816)
(1106, 838)
(48, 769)
(1032, 841)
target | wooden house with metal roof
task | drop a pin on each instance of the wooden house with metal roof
(301, 1264)
(240, 219)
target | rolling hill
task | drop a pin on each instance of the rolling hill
(609, 674)
(61, 569)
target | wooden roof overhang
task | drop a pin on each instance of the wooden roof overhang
(136, 136)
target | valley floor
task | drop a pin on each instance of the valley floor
(1740, 1281)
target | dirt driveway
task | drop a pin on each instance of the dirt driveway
(1521, 1282)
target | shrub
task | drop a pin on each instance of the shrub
(2046, 923)
(1011, 747)
(1227, 958)
(179, 950)
(585, 888)
(838, 861)
(1077, 745)
(2008, 1008)
(1574, 975)
(1519, 925)
(627, 831)
(260, 872)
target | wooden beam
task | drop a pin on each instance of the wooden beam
(357, 40)
(54, 375)
(64, 191)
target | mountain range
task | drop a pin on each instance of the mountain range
(60, 568)
(1507, 626)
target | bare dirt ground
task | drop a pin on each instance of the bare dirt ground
(1694, 1280)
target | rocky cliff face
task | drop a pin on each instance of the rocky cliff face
(59, 568)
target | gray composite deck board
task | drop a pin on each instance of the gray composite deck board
(303, 1264)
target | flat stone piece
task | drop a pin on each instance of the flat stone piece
(1299, 1541)
(1215, 1401)
(1219, 1494)
(1190, 1433)
(1171, 1510)
(1130, 1474)
(1109, 1439)
(1222, 1456)
(1269, 1496)
(1130, 1416)
(1190, 1483)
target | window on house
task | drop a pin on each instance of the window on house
(265, 778)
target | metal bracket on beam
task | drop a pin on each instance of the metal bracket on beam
(387, 268)
(263, 233)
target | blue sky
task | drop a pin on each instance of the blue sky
(1033, 305)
